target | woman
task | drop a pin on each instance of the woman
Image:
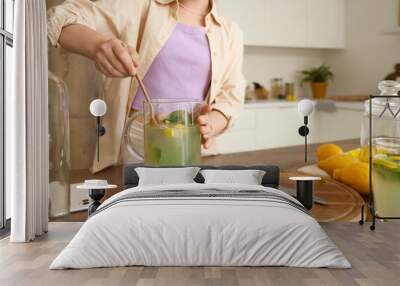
(162, 41)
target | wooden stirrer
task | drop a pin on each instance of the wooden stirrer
(148, 100)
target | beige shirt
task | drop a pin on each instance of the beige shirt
(147, 25)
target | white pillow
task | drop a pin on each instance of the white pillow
(248, 177)
(165, 176)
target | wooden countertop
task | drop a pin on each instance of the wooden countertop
(287, 158)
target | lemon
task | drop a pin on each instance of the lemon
(337, 174)
(328, 150)
(169, 132)
(179, 125)
(364, 155)
(339, 161)
(354, 175)
(354, 152)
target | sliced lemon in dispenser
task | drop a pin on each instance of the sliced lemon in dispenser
(394, 157)
(384, 161)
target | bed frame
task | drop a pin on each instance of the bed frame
(270, 179)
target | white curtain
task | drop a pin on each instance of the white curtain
(27, 124)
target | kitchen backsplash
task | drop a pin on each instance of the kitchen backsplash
(262, 64)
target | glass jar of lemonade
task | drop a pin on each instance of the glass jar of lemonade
(385, 115)
(386, 176)
(166, 133)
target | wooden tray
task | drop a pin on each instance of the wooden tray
(343, 203)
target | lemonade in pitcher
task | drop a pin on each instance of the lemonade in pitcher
(166, 133)
(176, 141)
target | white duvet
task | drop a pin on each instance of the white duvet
(200, 231)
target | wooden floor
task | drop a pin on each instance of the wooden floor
(375, 257)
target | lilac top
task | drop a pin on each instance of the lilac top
(182, 69)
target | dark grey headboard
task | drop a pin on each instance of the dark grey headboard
(271, 177)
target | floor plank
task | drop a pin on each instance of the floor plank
(375, 257)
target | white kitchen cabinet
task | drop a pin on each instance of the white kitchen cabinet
(341, 124)
(263, 127)
(289, 23)
(242, 136)
(286, 23)
(250, 16)
(275, 125)
(278, 127)
(326, 23)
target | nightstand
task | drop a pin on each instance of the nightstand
(97, 189)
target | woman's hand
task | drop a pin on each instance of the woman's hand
(113, 57)
(212, 123)
(116, 59)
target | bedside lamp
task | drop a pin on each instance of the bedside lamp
(305, 107)
(304, 185)
(98, 108)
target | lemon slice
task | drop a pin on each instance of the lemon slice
(169, 132)
(394, 157)
(179, 125)
(386, 163)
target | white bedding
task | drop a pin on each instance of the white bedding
(202, 231)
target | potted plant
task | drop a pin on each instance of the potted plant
(318, 78)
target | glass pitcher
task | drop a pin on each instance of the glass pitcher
(386, 148)
(172, 139)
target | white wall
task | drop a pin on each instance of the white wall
(262, 64)
(369, 55)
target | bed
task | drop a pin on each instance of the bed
(198, 224)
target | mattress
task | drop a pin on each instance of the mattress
(201, 225)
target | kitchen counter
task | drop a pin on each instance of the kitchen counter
(323, 105)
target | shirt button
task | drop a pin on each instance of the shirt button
(215, 53)
(215, 81)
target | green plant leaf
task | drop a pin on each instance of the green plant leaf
(323, 73)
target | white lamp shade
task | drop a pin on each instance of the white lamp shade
(98, 107)
(305, 107)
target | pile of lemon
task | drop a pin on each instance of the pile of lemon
(350, 168)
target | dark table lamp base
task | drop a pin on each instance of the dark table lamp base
(96, 195)
(305, 193)
(304, 190)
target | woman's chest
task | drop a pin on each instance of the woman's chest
(160, 39)
(186, 47)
